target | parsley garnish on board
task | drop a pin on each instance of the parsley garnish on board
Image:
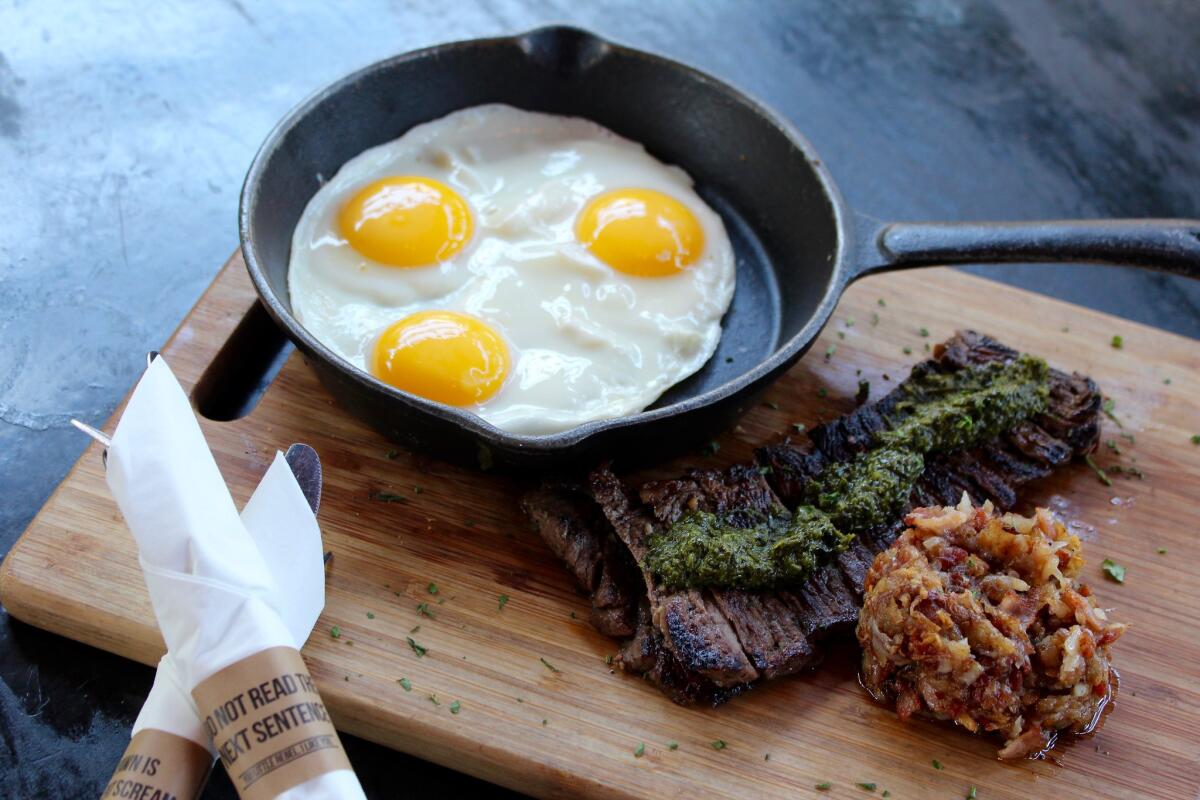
(391, 454)
(455, 707)
(335, 632)
(924, 331)
(503, 601)
(406, 683)
(549, 666)
(1196, 438)
(672, 745)
(823, 787)
(937, 764)
(423, 608)
(388, 497)
(640, 750)
(432, 588)
(370, 615)
(971, 793)
(1113, 570)
(433, 699)
(1117, 342)
(416, 648)
(870, 787)
(829, 351)
(1107, 407)
(719, 744)
(1100, 474)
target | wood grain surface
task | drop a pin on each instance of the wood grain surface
(572, 731)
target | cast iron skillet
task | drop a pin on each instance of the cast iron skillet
(797, 243)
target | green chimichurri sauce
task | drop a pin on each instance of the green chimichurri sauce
(937, 412)
(704, 549)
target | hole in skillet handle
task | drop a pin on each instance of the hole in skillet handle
(563, 50)
(243, 368)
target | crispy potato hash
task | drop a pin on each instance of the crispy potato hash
(979, 619)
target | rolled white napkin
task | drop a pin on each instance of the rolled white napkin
(216, 598)
(279, 519)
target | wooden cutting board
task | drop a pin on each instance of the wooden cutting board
(541, 711)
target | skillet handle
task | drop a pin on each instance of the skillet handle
(1167, 245)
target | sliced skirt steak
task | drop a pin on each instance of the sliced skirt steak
(708, 645)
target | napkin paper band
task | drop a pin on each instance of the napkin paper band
(160, 764)
(268, 723)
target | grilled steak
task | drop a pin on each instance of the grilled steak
(571, 525)
(711, 644)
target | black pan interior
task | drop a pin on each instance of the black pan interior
(774, 204)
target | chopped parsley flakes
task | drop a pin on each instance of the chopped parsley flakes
(370, 615)
(870, 787)
(549, 666)
(937, 764)
(388, 497)
(1101, 475)
(416, 648)
(640, 750)
(823, 787)
(432, 588)
(455, 707)
(1113, 570)
(423, 608)
(1107, 407)
(406, 683)
(1117, 342)
(672, 745)
(335, 632)
(503, 601)
(719, 744)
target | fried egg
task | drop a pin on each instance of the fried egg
(539, 271)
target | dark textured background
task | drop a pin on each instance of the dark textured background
(125, 130)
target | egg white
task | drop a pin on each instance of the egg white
(587, 342)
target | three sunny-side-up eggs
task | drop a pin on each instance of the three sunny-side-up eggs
(539, 271)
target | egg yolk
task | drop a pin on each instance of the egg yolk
(406, 221)
(444, 356)
(640, 232)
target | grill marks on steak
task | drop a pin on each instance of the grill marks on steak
(693, 628)
(710, 645)
(771, 627)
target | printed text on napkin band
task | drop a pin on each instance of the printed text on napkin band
(159, 766)
(268, 723)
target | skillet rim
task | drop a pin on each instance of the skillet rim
(786, 354)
